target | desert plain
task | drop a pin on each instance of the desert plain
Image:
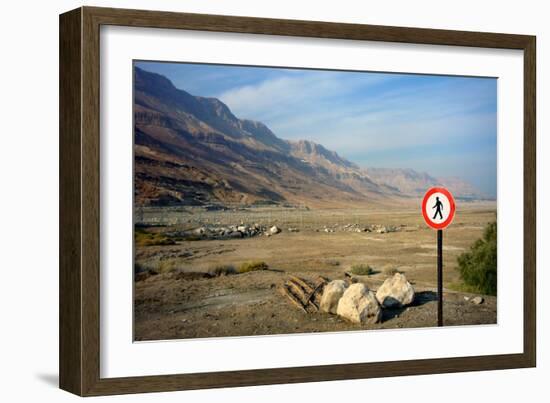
(178, 292)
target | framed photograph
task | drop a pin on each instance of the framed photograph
(248, 201)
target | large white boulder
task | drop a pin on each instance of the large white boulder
(395, 292)
(359, 305)
(332, 293)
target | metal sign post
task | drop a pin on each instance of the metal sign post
(438, 210)
(439, 277)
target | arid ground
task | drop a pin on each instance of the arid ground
(175, 299)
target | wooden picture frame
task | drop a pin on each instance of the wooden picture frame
(79, 346)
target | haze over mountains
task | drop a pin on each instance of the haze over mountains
(191, 150)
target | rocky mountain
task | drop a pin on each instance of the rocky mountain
(192, 150)
(463, 189)
(413, 183)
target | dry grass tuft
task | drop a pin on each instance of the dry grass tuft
(254, 265)
(361, 269)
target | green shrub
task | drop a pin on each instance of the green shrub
(478, 267)
(253, 266)
(223, 270)
(362, 269)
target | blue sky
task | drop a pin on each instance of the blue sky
(443, 125)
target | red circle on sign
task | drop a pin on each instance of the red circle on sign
(449, 197)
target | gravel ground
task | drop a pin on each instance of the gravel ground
(249, 304)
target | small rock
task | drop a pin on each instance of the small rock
(477, 300)
(274, 230)
(359, 305)
(395, 292)
(332, 293)
(466, 298)
(200, 231)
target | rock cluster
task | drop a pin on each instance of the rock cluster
(358, 304)
(380, 229)
(229, 231)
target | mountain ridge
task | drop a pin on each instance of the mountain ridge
(192, 150)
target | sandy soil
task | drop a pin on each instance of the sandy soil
(170, 305)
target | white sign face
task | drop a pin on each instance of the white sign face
(438, 208)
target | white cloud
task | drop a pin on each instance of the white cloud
(288, 96)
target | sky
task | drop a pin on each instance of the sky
(443, 125)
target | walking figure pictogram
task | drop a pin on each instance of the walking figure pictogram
(438, 206)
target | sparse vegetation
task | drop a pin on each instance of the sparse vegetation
(253, 266)
(145, 238)
(478, 267)
(142, 273)
(361, 269)
(223, 270)
(166, 266)
(198, 282)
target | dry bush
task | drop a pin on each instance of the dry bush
(144, 238)
(361, 269)
(254, 265)
(223, 270)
